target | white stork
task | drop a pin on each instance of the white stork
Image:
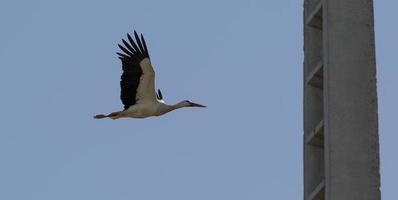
(138, 84)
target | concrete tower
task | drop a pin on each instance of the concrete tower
(341, 144)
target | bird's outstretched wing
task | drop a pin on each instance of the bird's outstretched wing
(137, 82)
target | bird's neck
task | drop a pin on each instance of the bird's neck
(165, 108)
(175, 106)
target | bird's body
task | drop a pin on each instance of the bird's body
(138, 84)
(145, 110)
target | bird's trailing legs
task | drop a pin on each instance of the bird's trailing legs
(101, 116)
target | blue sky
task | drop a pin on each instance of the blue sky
(243, 59)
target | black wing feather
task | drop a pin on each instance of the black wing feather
(159, 95)
(121, 55)
(131, 57)
(126, 44)
(139, 43)
(133, 43)
(144, 43)
(125, 50)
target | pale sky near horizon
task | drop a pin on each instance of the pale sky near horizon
(243, 59)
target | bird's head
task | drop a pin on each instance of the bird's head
(187, 103)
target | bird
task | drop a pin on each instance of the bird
(137, 84)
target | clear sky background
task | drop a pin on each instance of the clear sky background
(243, 59)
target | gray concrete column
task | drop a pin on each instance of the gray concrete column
(341, 144)
(350, 101)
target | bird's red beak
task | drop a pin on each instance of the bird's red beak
(196, 105)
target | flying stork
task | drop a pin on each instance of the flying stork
(138, 84)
